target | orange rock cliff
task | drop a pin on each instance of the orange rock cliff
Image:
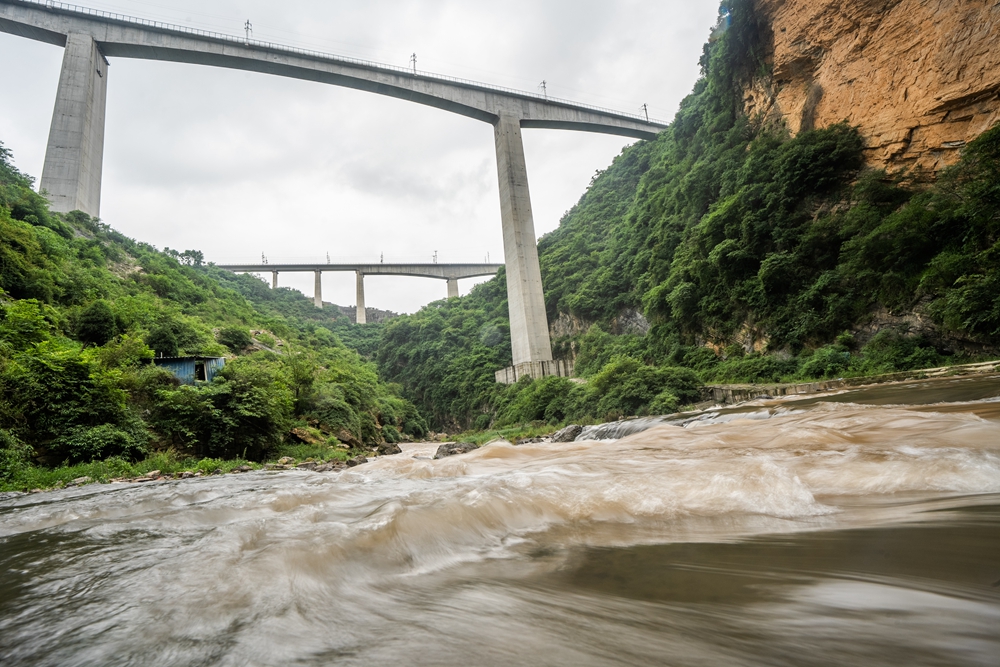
(919, 78)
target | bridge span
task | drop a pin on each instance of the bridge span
(450, 272)
(74, 155)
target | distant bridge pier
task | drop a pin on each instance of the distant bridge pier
(274, 280)
(75, 152)
(529, 326)
(318, 290)
(362, 317)
(452, 287)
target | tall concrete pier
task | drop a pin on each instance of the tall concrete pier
(529, 326)
(72, 172)
(362, 314)
(75, 152)
(318, 290)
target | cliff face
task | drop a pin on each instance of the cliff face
(920, 78)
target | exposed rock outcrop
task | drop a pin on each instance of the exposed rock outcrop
(453, 448)
(920, 78)
(568, 434)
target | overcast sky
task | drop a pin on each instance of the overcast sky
(235, 163)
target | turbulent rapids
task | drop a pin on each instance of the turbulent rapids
(861, 527)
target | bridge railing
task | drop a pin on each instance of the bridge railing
(416, 74)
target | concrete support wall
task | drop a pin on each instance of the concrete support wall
(318, 290)
(362, 317)
(452, 287)
(534, 369)
(274, 280)
(75, 152)
(529, 327)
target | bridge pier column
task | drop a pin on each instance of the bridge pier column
(75, 152)
(529, 327)
(318, 290)
(274, 280)
(452, 287)
(362, 317)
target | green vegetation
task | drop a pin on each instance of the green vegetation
(84, 311)
(751, 255)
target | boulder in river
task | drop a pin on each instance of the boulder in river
(356, 461)
(389, 448)
(568, 434)
(453, 448)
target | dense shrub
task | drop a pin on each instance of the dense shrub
(97, 324)
(236, 339)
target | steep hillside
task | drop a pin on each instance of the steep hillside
(744, 251)
(84, 310)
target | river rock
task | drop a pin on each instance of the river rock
(345, 436)
(356, 461)
(453, 448)
(389, 448)
(80, 480)
(531, 441)
(285, 460)
(304, 435)
(568, 434)
(306, 465)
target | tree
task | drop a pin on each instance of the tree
(236, 339)
(97, 324)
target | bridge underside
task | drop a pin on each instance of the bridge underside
(74, 154)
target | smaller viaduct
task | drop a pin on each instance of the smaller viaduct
(450, 272)
(71, 174)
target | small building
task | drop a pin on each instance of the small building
(192, 369)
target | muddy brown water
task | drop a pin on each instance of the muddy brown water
(860, 528)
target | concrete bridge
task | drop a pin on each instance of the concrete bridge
(450, 272)
(73, 158)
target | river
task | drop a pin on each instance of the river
(859, 528)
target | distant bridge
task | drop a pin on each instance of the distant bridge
(73, 158)
(450, 272)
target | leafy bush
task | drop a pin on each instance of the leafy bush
(236, 339)
(826, 362)
(626, 387)
(245, 411)
(83, 443)
(97, 324)
(889, 352)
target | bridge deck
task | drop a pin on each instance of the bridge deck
(127, 37)
(441, 271)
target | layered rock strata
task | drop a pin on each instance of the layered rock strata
(919, 78)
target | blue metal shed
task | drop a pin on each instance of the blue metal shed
(192, 369)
